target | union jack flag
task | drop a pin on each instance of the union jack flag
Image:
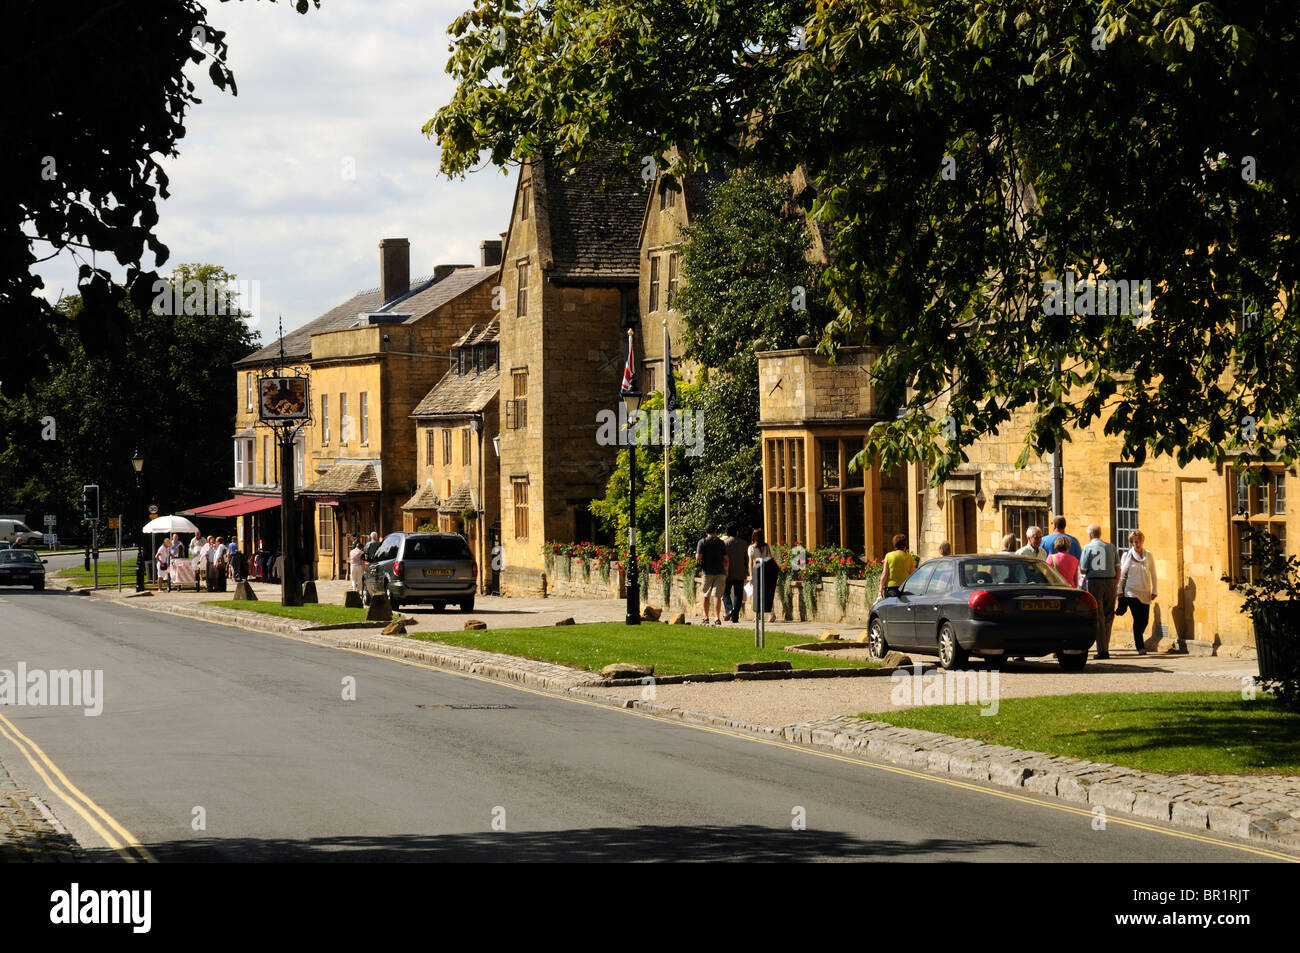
(629, 371)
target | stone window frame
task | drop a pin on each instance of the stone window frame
(1024, 513)
(519, 504)
(325, 419)
(521, 289)
(363, 414)
(325, 528)
(519, 397)
(343, 419)
(430, 445)
(466, 446)
(525, 196)
(674, 280)
(654, 284)
(841, 490)
(1261, 512)
(784, 461)
(446, 446)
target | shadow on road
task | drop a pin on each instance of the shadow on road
(644, 843)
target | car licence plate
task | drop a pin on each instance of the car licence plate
(440, 572)
(1040, 605)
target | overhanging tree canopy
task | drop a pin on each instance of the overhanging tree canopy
(967, 154)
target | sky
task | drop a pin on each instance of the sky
(261, 187)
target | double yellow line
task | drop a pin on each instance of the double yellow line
(101, 822)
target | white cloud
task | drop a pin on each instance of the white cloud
(259, 187)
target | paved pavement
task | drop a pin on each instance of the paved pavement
(220, 743)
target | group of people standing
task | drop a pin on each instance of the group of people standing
(358, 557)
(1119, 583)
(727, 565)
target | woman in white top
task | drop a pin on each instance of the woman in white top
(163, 559)
(1137, 586)
(759, 549)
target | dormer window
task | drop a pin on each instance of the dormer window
(480, 354)
(461, 361)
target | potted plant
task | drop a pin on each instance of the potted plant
(1271, 595)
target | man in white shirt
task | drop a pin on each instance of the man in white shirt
(1034, 546)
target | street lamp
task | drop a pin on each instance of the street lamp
(137, 463)
(632, 401)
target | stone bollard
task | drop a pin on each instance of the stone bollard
(380, 610)
(352, 600)
(244, 592)
(309, 593)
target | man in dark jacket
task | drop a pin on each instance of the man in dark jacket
(733, 596)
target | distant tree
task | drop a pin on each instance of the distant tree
(169, 393)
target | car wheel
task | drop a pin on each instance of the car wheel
(467, 605)
(877, 647)
(392, 601)
(365, 595)
(951, 654)
(1072, 663)
(439, 606)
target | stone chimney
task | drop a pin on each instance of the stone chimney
(394, 267)
(490, 252)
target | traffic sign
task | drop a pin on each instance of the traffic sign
(153, 509)
(50, 519)
(114, 522)
(50, 540)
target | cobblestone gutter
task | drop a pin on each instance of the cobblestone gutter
(29, 833)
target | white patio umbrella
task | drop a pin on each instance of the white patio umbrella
(170, 524)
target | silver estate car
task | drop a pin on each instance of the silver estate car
(430, 568)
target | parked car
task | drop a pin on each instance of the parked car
(430, 568)
(22, 567)
(989, 606)
(16, 530)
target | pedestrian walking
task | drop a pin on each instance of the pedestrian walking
(760, 562)
(1137, 587)
(1063, 562)
(1033, 544)
(711, 553)
(733, 597)
(1058, 530)
(1099, 567)
(899, 564)
(356, 556)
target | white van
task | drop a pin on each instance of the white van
(12, 531)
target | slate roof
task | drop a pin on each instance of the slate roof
(460, 500)
(594, 218)
(425, 295)
(344, 478)
(460, 394)
(424, 499)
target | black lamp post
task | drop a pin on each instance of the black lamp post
(137, 462)
(632, 400)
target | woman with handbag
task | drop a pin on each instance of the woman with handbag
(1137, 586)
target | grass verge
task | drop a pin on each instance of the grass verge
(107, 574)
(671, 649)
(1163, 732)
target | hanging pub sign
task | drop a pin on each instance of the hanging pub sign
(282, 398)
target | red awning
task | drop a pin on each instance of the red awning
(239, 506)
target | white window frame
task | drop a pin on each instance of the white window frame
(364, 410)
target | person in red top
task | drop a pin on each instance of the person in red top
(1063, 562)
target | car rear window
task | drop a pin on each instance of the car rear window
(1009, 572)
(437, 547)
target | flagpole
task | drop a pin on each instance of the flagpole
(668, 369)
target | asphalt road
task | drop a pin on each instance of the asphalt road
(254, 730)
